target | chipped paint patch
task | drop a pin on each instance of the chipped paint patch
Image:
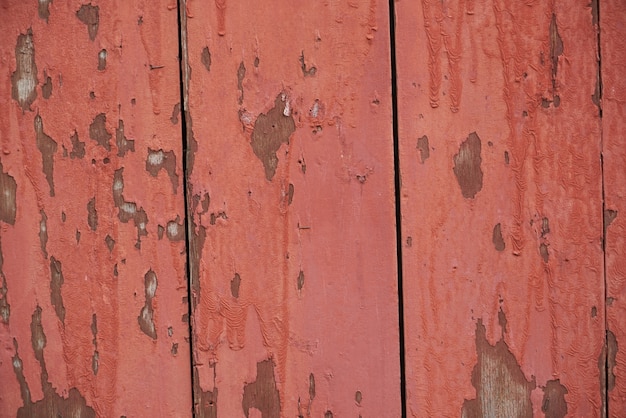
(262, 394)
(92, 214)
(56, 282)
(205, 401)
(43, 233)
(24, 79)
(78, 147)
(43, 9)
(556, 48)
(496, 238)
(5, 307)
(98, 131)
(102, 60)
(90, 16)
(553, 404)
(128, 210)
(48, 147)
(205, 58)
(197, 239)
(235, 283)
(611, 354)
(110, 242)
(175, 113)
(306, 71)
(146, 316)
(158, 160)
(123, 144)
(46, 88)
(271, 130)
(290, 191)
(300, 280)
(52, 404)
(241, 74)
(424, 148)
(8, 190)
(501, 387)
(95, 358)
(467, 166)
(311, 386)
(175, 230)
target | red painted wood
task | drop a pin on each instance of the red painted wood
(614, 158)
(294, 260)
(76, 298)
(501, 208)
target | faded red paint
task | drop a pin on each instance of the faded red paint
(291, 227)
(91, 300)
(291, 193)
(509, 225)
(614, 157)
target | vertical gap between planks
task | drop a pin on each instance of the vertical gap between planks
(605, 376)
(184, 99)
(397, 180)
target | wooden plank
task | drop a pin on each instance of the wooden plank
(501, 208)
(291, 193)
(613, 61)
(92, 269)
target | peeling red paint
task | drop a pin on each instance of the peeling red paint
(282, 104)
(554, 404)
(271, 130)
(52, 403)
(262, 393)
(67, 126)
(296, 153)
(501, 387)
(486, 67)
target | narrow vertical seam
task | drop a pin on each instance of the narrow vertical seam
(184, 99)
(397, 182)
(605, 377)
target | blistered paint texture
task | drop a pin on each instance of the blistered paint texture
(72, 116)
(612, 99)
(289, 131)
(503, 91)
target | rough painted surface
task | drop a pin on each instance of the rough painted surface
(292, 209)
(613, 57)
(86, 91)
(504, 217)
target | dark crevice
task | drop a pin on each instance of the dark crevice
(397, 180)
(595, 9)
(183, 83)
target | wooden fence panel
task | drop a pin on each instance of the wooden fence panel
(613, 33)
(291, 198)
(501, 208)
(92, 296)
